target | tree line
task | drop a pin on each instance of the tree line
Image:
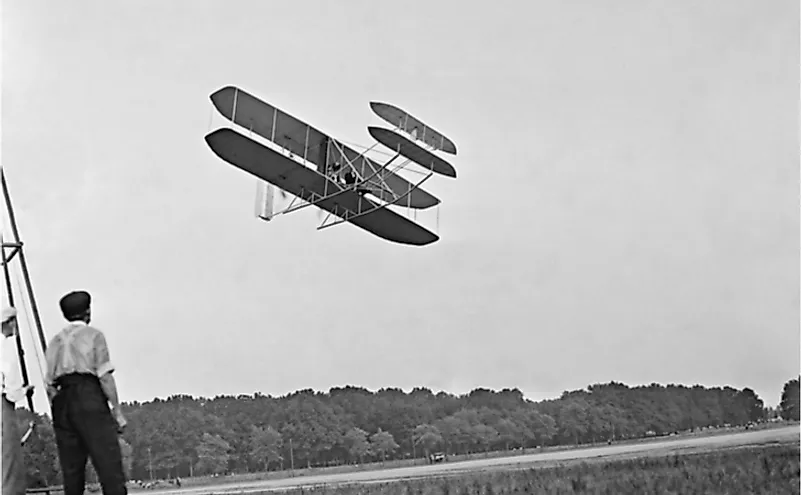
(187, 436)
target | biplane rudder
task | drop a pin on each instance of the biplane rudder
(265, 194)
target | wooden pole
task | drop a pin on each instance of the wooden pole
(20, 351)
(22, 261)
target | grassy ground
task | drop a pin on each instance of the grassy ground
(772, 469)
(771, 466)
(201, 481)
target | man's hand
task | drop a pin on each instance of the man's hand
(121, 422)
(28, 390)
(51, 392)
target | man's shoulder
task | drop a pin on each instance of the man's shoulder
(56, 338)
(83, 330)
(91, 331)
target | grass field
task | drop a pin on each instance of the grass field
(205, 481)
(771, 469)
(767, 438)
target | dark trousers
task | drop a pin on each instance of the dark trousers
(14, 474)
(85, 428)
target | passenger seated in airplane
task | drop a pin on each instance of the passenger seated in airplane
(350, 179)
(333, 171)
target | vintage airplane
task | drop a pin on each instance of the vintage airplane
(324, 172)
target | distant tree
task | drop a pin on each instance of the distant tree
(752, 406)
(455, 432)
(508, 432)
(789, 405)
(427, 436)
(485, 435)
(173, 436)
(772, 412)
(543, 427)
(382, 442)
(213, 454)
(574, 419)
(357, 444)
(265, 445)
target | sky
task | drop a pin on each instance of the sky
(626, 206)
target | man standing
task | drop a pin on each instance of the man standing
(80, 385)
(14, 476)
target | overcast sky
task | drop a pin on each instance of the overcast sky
(626, 206)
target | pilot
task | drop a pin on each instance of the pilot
(335, 170)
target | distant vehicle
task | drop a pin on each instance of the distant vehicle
(436, 457)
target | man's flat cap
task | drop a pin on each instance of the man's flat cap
(75, 303)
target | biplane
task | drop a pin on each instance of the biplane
(321, 171)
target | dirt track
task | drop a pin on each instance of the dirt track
(783, 434)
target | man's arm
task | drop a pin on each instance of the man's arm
(50, 364)
(12, 375)
(104, 370)
(109, 387)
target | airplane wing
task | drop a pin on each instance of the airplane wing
(303, 182)
(411, 125)
(311, 144)
(412, 151)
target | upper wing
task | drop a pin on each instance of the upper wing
(311, 144)
(412, 125)
(283, 172)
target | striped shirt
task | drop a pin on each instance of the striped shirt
(78, 348)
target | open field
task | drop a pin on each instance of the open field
(245, 478)
(785, 434)
(769, 469)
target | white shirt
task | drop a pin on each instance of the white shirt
(78, 348)
(11, 375)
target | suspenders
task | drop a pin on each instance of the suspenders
(66, 338)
